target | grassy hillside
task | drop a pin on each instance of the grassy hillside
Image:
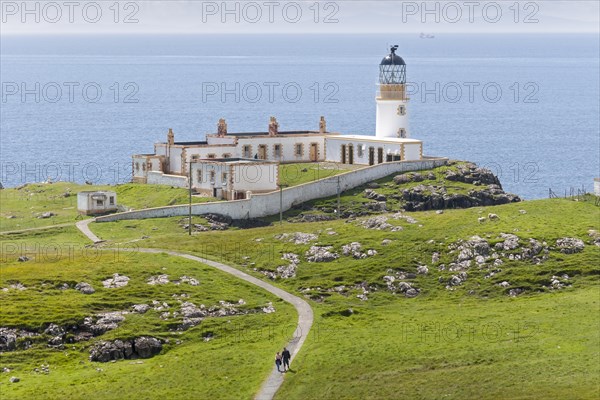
(543, 342)
(22, 207)
(232, 363)
(457, 304)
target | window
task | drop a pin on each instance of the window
(195, 156)
(224, 177)
(247, 151)
(262, 151)
(212, 177)
(99, 203)
(199, 175)
(137, 166)
(401, 133)
(112, 200)
(360, 151)
(226, 155)
(277, 151)
(212, 156)
(143, 166)
(401, 110)
(298, 149)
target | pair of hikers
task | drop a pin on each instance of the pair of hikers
(283, 359)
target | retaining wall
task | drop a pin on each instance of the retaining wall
(262, 205)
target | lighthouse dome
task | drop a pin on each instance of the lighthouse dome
(392, 59)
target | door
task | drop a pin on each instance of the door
(371, 155)
(379, 155)
(314, 152)
(262, 151)
(343, 154)
(350, 154)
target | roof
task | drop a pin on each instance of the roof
(267, 133)
(234, 160)
(191, 143)
(374, 139)
(96, 192)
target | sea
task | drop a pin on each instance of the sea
(77, 107)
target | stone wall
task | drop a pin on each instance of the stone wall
(262, 205)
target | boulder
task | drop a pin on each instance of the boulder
(85, 288)
(116, 281)
(146, 347)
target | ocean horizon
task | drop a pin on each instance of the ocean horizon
(77, 107)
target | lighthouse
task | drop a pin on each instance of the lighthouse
(392, 116)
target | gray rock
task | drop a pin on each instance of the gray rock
(116, 281)
(140, 308)
(85, 288)
(146, 347)
(321, 254)
(162, 279)
(569, 245)
(14, 379)
(297, 237)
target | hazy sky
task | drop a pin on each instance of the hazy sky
(347, 16)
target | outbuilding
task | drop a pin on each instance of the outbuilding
(96, 202)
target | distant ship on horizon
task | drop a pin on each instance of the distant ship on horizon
(426, 36)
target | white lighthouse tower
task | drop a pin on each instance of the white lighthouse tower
(392, 115)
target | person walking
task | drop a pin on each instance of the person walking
(285, 356)
(278, 361)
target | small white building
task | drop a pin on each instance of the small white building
(391, 141)
(234, 178)
(96, 202)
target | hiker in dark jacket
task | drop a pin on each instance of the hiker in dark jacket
(285, 355)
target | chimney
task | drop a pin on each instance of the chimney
(170, 137)
(322, 125)
(222, 128)
(273, 127)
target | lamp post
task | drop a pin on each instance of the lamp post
(190, 204)
(339, 211)
(281, 186)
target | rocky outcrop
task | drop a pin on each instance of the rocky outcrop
(470, 173)
(12, 339)
(297, 237)
(354, 249)
(141, 347)
(569, 245)
(379, 223)
(430, 197)
(321, 254)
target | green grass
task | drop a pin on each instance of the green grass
(29, 202)
(527, 348)
(232, 365)
(541, 344)
(299, 173)
(365, 355)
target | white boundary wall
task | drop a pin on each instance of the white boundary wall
(158, 178)
(263, 205)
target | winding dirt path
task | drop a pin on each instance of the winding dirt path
(305, 314)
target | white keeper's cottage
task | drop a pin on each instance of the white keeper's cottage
(223, 165)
